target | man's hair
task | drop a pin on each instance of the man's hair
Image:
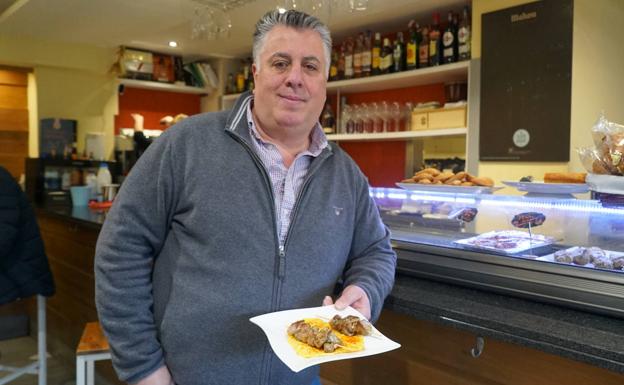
(292, 19)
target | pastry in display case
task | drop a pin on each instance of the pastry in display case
(554, 248)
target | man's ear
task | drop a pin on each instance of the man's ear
(254, 70)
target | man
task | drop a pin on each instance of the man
(234, 214)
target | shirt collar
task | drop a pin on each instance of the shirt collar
(318, 140)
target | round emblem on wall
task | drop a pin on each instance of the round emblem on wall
(521, 137)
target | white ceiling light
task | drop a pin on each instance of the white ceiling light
(173, 44)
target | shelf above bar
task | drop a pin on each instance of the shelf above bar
(401, 135)
(158, 86)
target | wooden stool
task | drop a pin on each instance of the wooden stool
(93, 347)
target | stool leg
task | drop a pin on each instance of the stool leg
(80, 370)
(90, 372)
(41, 339)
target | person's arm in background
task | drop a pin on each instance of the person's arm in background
(369, 273)
(131, 237)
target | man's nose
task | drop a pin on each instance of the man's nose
(295, 77)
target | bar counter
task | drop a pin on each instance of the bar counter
(432, 320)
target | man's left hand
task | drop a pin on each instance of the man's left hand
(352, 296)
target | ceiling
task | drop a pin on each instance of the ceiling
(151, 24)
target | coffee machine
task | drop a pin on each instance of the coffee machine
(125, 155)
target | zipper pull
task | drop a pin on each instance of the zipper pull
(282, 262)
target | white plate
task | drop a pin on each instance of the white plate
(274, 325)
(444, 188)
(549, 188)
(519, 239)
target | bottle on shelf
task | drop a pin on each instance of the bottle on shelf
(449, 41)
(376, 55)
(435, 41)
(464, 35)
(399, 53)
(349, 59)
(247, 73)
(367, 54)
(333, 68)
(230, 87)
(328, 122)
(341, 62)
(357, 55)
(240, 80)
(423, 48)
(411, 49)
(386, 57)
(103, 178)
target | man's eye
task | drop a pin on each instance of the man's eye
(280, 64)
(311, 67)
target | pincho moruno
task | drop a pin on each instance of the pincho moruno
(314, 337)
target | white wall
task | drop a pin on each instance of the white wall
(597, 78)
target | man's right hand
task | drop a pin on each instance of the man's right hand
(160, 376)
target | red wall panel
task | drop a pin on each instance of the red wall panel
(153, 105)
(384, 162)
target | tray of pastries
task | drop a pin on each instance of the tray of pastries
(593, 257)
(434, 180)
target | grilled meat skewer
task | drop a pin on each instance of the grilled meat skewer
(351, 325)
(320, 338)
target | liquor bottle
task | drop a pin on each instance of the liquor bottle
(230, 87)
(341, 62)
(434, 41)
(376, 55)
(367, 54)
(328, 122)
(411, 56)
(463, 36)
(399, 53)
(386, 58)
(349, 59)
(248, 74)
(449, 42)
(423, 48)
(333, 68)
(357, 55)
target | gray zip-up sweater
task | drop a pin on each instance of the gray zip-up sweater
(189, 252)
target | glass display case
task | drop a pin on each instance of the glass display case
(550, 247)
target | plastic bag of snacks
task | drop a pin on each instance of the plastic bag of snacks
(607, 157)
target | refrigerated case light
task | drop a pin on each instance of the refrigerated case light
(573, 205)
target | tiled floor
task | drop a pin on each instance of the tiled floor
(17, 352)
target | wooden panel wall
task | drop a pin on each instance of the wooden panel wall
(71, 250)
(435, 354)
(13, 120)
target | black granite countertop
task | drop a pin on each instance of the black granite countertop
(583, 336)
(84, 216)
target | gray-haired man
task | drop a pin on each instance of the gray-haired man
(234, 214)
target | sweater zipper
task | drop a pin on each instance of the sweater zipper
(303, 190)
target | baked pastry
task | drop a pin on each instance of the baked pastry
(564, 177)
(603, 263)
(594, 253)
(562, 256)
(618, 263)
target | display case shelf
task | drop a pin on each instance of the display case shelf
(401, 135)
(157, 86)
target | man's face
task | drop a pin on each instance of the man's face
(290, 82)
